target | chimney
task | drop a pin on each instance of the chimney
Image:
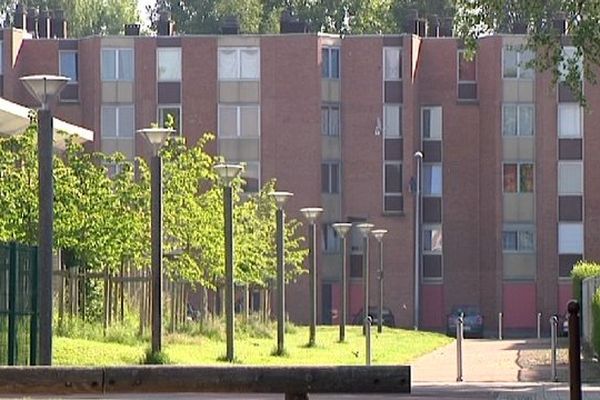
(132, 29)
(31, 21)
(560, 23)
(44, 24)
(230, 25)
(420, 27)
(165, 25)
(433, 26)
(410, 21)
(19, 21)
(289, 23)
(446, 27)
(58, 25)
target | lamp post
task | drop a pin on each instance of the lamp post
(342, 229)
(44, 88)
(156, 137)
(311, 214)
(280, 199)
(417, 272)
(378, 234)
(227, 173)
(364, 229)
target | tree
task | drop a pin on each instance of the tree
(482, 17)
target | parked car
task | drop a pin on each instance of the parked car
(388, 317)
(472, 321)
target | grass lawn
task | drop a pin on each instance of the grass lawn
(393, 346)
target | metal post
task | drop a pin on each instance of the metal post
(156, 238)
(12, 305)
(380, 316)
(417, 271)
(553, 345)
(313, 284)
(500, 317)
(45, 238)
(229, 286)
(366, 279)
(344, 292)
(368, 321)
(574, 351)
(539, 325)
(33, 324)
(459, 340)
(280, 283)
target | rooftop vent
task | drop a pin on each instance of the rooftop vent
(31, 21)
(560, 23)
(58, 25)
(289, 23)
(230, 25)
(165, 25)
(132, 29)
(433, 26)
(19, 20)
(446, 27)
(44, 24)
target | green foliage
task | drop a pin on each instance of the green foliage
(125, 332)
(596, 322)
(155, 357)
(582, 270)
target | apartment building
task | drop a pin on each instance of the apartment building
(337, 120)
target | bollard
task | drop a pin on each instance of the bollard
(368, 322)
(459, 340)
(553, 345)
(539, 325)
(574, 351)
(500, 326)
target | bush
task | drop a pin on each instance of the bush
(596, 322)
(582, 270)
(155, 358)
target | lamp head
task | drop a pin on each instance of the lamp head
(228, 172)
(365, 228)
(156, 137)
(311, 213)
(281, 197)
(378, 234)
(44, 87)
(418, 155)
(342, 228)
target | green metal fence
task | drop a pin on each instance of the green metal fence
(19, 316)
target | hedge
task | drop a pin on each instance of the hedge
(596, 322)
(582, 270)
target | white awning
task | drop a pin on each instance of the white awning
(14, 120)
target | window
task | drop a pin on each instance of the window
(431, 123)
(239, 63)
(392, 63)
(117, 65)
(392, 120)
(330, 177)
(518, 240)
(432, 179)
(251, 175)
(570, 178)
(330, 62)
(68, 65)
(518, 119)
(330, 120)
(569, 120)
(237, 121)
(569, 61)
(467, 69)
(166, 113)
(330, 239)
(168, 64)
(1, 57)
(515, 60)
(117, 121)
(393, 186)
(517, 177)
(570, 238)
(432, 239)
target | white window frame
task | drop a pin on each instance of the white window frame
(441, 122)
(118, 109)
(386, 77)
(329, 107)
(60, 65)
(387, 106)
(117, 50)
(238, 56)
(519, 164)
(393, 194)
(238, 108)
(159, 118)
(566, 231)
(558, 116)
(568, 52)
(518, 231)
(329, 49)
(521, 70)
(458, 53)
(329, 236)
(432, 165)
(578, 164)
(430, 228)
(330, 177)
(518, 107)
(166, 52)
(244, 173)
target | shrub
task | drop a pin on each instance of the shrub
(155, 358)
(596, 322)
(582, 270)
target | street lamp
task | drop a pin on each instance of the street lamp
(44, 88)
(417, 272)
(378, 234)
(342, 229)
(364, 229)
(311, 214)
(227, 173)
(156, 137)
(280, 199)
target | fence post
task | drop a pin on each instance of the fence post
(35, 316)
(539, 325)
(459, 340)
(12, 305)
(553, 343)
(574, 351)
(368, 322)
(500, 316)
